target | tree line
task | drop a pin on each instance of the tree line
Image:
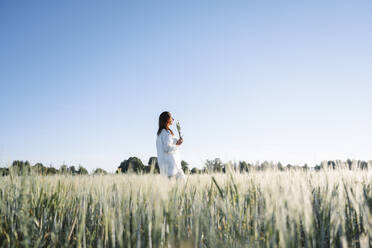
(135, 165)
(216, 165)
(19, 167)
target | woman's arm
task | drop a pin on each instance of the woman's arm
(168, 144)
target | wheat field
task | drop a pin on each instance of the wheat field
(328, 208)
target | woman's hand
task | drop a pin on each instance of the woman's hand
(179, 142)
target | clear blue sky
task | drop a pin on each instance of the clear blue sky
(84, 82)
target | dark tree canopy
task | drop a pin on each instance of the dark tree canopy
(214, 165)
(133, 164)
(72, 170)
(63, 169)
(152, 166)
(51, 170)
(244, 166)
(185, 166)
(4, 172)
(195, 171)
(82, 171)
(99, 171)
(21, 167)
(40, 169)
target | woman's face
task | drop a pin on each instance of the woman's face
(170, 121)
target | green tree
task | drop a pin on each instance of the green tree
(266, 165)
(152, 166)
(133, 164)
(363, 165)
(82, 171)
(185, 167)
(195, 171)
(244, 166)
(51, 170)
(280, 166)
(20, 167)
(39, 169)
(331, 165)
(63, 169)
(349, 163)
(214, 165)
(99, 171)
(4, 172)
(72, 170)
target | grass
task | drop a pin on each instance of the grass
(266, 209)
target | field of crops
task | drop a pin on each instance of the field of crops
(259, 209)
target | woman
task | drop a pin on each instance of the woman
(167, 148)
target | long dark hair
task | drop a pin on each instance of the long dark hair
(163, 119)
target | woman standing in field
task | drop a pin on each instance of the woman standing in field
(167, 148)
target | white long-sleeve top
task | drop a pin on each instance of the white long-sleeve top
(168, 156)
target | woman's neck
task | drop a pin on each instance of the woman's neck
(169, 130)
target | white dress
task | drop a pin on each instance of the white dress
(168, 156)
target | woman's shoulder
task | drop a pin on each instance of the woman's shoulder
(164, 132)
